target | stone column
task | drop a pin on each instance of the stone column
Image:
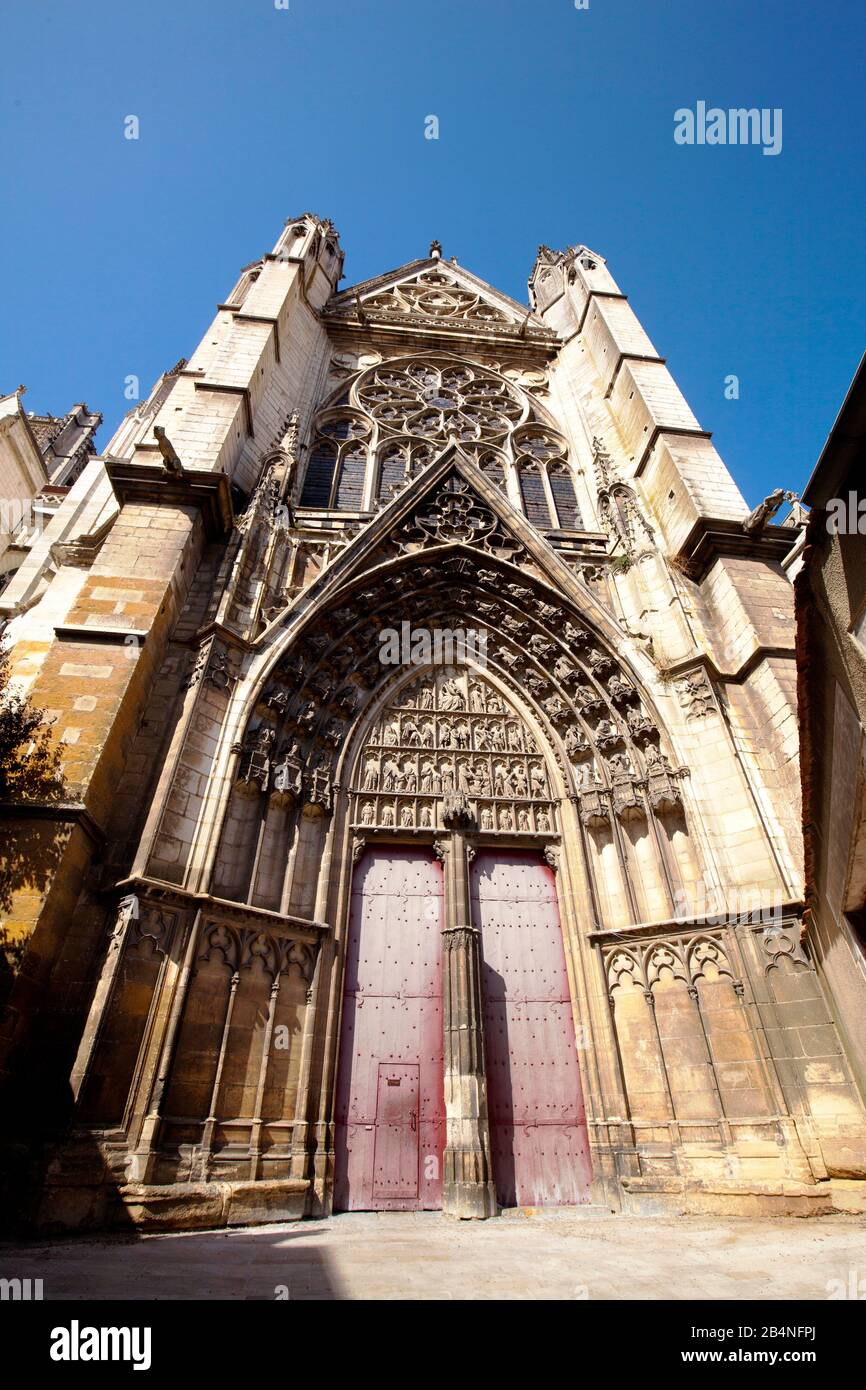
(468, 1189)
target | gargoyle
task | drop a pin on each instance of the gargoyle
(766, 510)
(169, 454)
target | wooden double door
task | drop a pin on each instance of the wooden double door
(390, 1116)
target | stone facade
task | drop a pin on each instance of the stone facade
(205, 624)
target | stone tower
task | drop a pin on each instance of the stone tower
(510, 917)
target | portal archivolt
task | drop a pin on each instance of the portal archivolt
(618, 782)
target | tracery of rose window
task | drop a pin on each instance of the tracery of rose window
(440, 403)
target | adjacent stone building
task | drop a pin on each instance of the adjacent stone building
(40, 457)
(831, 616)
(512, 918)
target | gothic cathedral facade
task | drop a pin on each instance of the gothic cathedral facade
(511, 918)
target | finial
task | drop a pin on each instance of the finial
(436, 250)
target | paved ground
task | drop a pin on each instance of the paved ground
(426, 1256)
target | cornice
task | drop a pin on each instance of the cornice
(151, 484)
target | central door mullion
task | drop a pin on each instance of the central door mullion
(468, 1187)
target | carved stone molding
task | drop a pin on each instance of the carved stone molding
(213, 664)
(241, 947)
(154, 924)
(460, 938)
(696, 695)
(552, 855)
(781, 941)
(688, 957)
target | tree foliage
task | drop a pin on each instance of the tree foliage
(30, 758)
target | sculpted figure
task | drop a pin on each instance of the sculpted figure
(620, 764)
(619, 688)
(409, 779)
(587, 777)
(450, 696)
(655, 758)
(538, 779)
(574, 741)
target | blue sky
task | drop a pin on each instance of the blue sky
(556, 126)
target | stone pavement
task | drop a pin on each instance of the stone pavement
(423, 1255)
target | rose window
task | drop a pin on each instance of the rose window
(441, 403)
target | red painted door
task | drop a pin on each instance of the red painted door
(389, 1139)
(537, 1123)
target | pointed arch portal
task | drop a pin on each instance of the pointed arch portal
(477, 820)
